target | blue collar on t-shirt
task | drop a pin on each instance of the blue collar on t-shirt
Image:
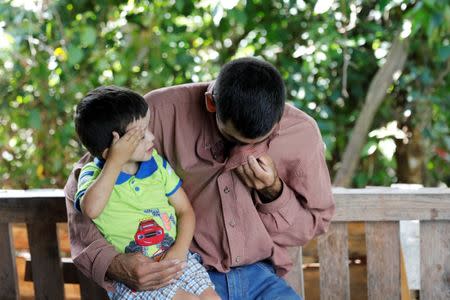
(146, 169)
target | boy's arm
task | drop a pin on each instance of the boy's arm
(97, 195)
(185, 225)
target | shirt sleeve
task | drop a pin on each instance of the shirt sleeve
(90, 252)
(171, 180)
(306, 205)
(88, 174)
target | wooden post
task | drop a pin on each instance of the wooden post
(295, 276)
(383, 260)
(8, 273)
(435, 260)
(333, 258)
(45, 261)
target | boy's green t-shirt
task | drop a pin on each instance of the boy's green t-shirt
(135, 200)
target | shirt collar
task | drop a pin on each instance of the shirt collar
(146, 169)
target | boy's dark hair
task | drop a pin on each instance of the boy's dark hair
(104, 110)
(251, 93)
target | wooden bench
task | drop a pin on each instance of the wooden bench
(380, 208)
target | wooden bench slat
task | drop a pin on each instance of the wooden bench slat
(295, 276)
(29, 210)
(45, 261)
(361, 205)
(333, 259)
(383, 260)
(88, 288)
(69, 270)
(435, 260)
(8, 272)
(373, 204)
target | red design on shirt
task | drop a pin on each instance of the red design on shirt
(149, 233)
(166, 221)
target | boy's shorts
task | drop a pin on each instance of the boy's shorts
(195, 280)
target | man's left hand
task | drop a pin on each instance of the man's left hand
(261, 175)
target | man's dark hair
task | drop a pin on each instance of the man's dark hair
(251, 93)
(104, 110)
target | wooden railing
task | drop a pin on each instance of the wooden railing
(380, 208)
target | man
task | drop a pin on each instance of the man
(254, 170)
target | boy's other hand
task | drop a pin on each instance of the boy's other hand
(261, 175)
(123, 147)
(175, 254)
(141, 273)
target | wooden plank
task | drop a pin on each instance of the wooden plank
(45, 261)
(391, 204)
(70, 271)
(89, 289)
(435, 260)
(17, 206)
(372, 204)
(333, 259)
(8, 272)
(383, 260)
(295, 276)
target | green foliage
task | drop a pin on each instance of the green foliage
(52, 53)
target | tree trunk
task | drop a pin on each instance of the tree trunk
(375, 96)
(410, 158)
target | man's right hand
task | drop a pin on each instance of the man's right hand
(141, 273)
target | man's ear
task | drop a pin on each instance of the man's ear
(105, 153)
(209, 101)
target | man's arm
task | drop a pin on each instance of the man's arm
(98, 259)
(298, 207)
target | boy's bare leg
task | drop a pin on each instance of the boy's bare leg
(183, 295)
(209, 294)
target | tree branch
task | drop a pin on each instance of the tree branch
(376, 94)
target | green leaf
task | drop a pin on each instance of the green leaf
(444, 53)
(34, 119)
(75, 55)
(48, 30)
(369, 148)
(361, 180)
(447, 141)
(179, 5)
(382, 4)
(88, 36)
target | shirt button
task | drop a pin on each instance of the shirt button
(137, 189)
(232, 223)
(132, 181)
(226, 190)
(238, 259)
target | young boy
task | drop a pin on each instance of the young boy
(132, 194)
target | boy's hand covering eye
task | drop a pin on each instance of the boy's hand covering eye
(261, 175)
(123, 147)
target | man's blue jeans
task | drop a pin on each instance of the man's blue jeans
(256, 281)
